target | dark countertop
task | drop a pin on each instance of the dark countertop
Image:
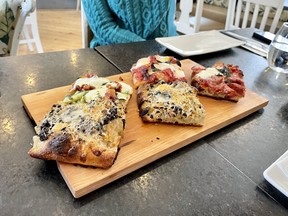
(252, 144)
(220, 174)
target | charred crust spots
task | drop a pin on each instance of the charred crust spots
(97, 152)
(144, 72)
(83, 158)
(144, 111)
(177, 109)
(124, 123)
(44, 130)
(110, 116)
(60, 144)
(72, 151)
(142, 101)
(43, 135)
(153, 68)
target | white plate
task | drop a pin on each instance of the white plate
(199, 43)
(275, 175)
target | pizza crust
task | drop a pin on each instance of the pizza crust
(74, 152)
(79, 143)
(220, 81)
(86, 127)
(220, 96)
(175, 103)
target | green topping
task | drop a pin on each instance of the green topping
(77, 96)
(225, 71)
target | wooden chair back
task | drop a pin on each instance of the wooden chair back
(183, 23)
(87, 34)
(240, 19)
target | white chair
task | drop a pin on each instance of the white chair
(78, 5)
(183, 23)
(85, 28)
(27, 7)
(30, 28)
(87, 34)
(233, 20)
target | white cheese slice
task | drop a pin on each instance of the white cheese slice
(126, 89)
(92, 81)
(178, 72)
(209, 72)
(163, 95)
(162, 98)
(71, 115)
(122, 96)
(125, 93)
(95, 93)
(162, 66)
(100, 90)
(162, 58)
(141, 62)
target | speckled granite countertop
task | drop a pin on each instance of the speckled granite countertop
(220, 174)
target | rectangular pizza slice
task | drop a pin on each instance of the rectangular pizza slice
(156, 68)
(174, 102)
(219, 81)
(87, 126)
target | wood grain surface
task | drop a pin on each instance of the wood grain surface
(142, 143)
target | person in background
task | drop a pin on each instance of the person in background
(123, 21)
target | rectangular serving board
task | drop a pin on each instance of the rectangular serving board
(142, 143)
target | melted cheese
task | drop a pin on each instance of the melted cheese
(126, 89)
(92, 81)
(84, 121)
(178, 72)
(124, 94)
(84, 133)
(58, 127)
(162, 58)
(141, 62)
(163, 63)
(209, 72)
(96, 93)
(70, 115)
(146, 61)
(101, 86)
(172, 103)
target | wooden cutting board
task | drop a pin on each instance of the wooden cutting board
(142, 142)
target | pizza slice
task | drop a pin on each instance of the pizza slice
(87, 126)
(173, 102)
(155, 68)
(219, 81)
(163, 94)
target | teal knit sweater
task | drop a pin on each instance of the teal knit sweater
(122, 21)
